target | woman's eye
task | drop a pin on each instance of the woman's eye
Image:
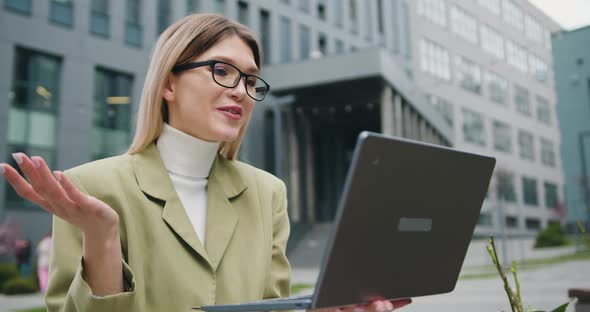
(251, 82)
(220, 71)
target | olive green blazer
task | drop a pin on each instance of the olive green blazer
(166, 267)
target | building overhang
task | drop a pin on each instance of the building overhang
(369, 65)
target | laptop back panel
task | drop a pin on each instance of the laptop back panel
(404, 223)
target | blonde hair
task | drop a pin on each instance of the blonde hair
(182, 41)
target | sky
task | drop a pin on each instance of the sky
(570, 14)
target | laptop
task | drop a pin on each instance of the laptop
(405, 220)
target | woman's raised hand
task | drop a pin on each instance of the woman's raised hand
(57, 195)
(99, 223)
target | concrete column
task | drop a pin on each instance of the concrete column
(387, 111)
(398, 123)
(309, 174)
(293, 165)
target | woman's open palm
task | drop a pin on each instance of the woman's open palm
(57, 195)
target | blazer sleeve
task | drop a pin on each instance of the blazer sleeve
(67, 291)
(279, 282)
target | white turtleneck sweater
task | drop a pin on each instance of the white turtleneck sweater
(188, 161)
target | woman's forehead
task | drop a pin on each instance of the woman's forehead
(234, 51)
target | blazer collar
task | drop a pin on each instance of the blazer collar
(224, 185)
(154, 180)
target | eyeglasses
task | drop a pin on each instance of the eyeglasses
(229, 76)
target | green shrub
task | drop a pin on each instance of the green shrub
(19, 285)
(552, 236)
(8, 271)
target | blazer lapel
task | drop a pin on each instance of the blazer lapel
(153, 179)
(224, 186)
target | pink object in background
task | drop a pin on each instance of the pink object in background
(43, 260)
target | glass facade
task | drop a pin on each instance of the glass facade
(468, 75)
(19, 6)
(551, 198)
(434, 10)
(99, 18)
(463, 24)
(33, 111)
(529, 191)
(163, 15)
(502, 136)
(505, 186)
(492, 41)
(112, 113)
(434, 59)
(286, 38)
(522, 100)
(473, 127)
(526, 145)
(543, 110)
(265, 35)
(61, 12)
(547, 152)
(133, 29)
(497, 87)
(516, 56)
(243, 13)
(512, 14)
(304, 42)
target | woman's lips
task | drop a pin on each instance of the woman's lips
(232, 112)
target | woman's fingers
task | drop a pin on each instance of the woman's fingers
(80, 199)
(48, 187)
(23, 188)
(401, 303)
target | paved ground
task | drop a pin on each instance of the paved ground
(545, 289)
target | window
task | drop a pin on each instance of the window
(473, 128)
(463, 25)
(407, 30)
(505, 186)
(513, 15)
(551, 198)
(547, 153)
(516, 56)
(497, 87)
(511, 222)
(522, 100)
(492, 41)
(265, 35)
(468, 75)
(444, 107)
(322, 44)
(19, 6)
(502, 137)
(368, 8)
(533, 29)
(219, 6)
(112, 112)
(529, 191)
(353, 16)
(492, 5)
(61, 12)
(285, 25)
(99, 18)
(538, 68)
(339, 46)
(434, 10)
(33, 110)
(133, 29)
(304, 42)
(434, 59)
(243, 14)
(193, 6)
(543, 110)
(321, 9)
(533, 224)
(163, 15)
(380, 25)
(526, 145)
(338, 13)
(304, 5)
(485, 219)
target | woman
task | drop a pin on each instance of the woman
(176, 222)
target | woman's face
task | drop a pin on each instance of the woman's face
(197, 105)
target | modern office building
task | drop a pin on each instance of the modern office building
(475, 75)
(488, 66)
(571, 54)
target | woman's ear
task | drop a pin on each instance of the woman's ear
(168, 93)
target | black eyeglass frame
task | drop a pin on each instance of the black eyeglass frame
(211, 63)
